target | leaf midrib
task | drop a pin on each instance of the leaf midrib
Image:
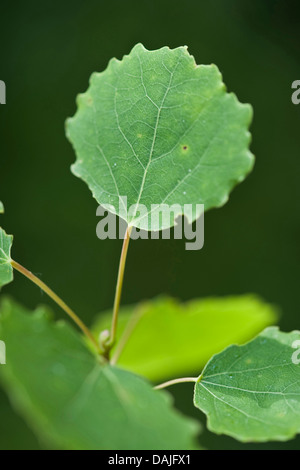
(155, 127)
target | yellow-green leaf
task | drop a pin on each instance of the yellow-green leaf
(166, 338)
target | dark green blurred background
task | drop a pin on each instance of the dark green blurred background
(47, 52)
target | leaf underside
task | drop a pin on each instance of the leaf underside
(158, 129)
(74, 402)
(166, 338)
(252, 392)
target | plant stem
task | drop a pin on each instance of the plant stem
(56, 299)
(119, 288)
(176, 381)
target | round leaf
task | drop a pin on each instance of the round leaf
(160, 130)
(252, 392)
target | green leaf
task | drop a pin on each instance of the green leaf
(159, 129)
(1, 208)
(72, 400)
(169, 338)
(252, 392)
(6, 271)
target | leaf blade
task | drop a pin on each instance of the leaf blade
(71, 400)
(6, 270)
(252, 392)
(152, 112)
(169, 338)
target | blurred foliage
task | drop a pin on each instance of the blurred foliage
(74, 402)
(164, 339)
(48, 51)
